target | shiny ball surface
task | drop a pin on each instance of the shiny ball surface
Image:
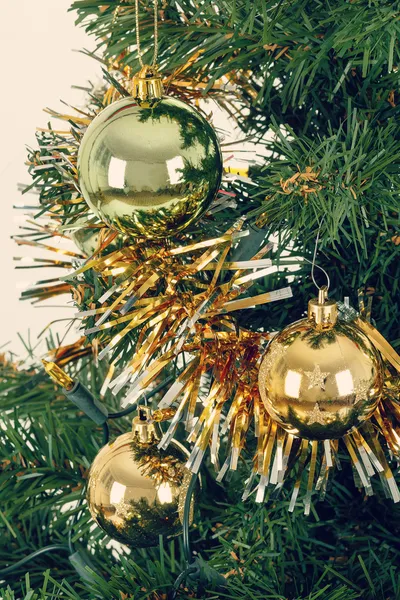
(137, 492)
(319, 384)
(149, 171)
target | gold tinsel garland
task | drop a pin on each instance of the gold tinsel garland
(135, 271)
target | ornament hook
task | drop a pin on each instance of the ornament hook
(322, 311)
(313, 264)
(143, 428)
(147, 87)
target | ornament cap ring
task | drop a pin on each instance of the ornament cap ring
(322, 311)
(143, 428)
(147, 86)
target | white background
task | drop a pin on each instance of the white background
(39, 66)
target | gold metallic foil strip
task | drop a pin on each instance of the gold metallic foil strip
(311, 475)
(41, 246)
(256, 300)
(380, 342)
(301, 465)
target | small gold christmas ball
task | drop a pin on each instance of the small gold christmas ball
(86, 239)
(320, 382)
(89, 239)
(137, 492)
(149, 171)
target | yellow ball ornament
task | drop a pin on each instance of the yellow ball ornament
(89, 239)
(86, 239)
(137, 492)
(149, 169)
(321, 376)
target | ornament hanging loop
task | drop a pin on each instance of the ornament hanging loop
(145, 425)
(139, 50)
(313, 264)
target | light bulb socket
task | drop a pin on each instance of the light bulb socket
(147, 86)
(322, 312)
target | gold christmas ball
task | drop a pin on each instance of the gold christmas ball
(149, 171)
(136, 491)
(320, 376)
(89, 239)
(86, 239)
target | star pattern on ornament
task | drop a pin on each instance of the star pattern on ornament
(316, 416)
(316, 378)
(361, 390)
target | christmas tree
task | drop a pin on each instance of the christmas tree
(177, 312)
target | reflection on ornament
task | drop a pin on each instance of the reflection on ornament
(136, 492)
(149, 171)
(316, 416)
(164, 493)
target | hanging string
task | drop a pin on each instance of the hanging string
(314, 265)
(115, 17)
(139, 51)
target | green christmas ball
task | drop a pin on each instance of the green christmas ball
(149, 171)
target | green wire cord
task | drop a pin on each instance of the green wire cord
(32, 556)
(106, 433)
(186, 542)
(186, 518)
